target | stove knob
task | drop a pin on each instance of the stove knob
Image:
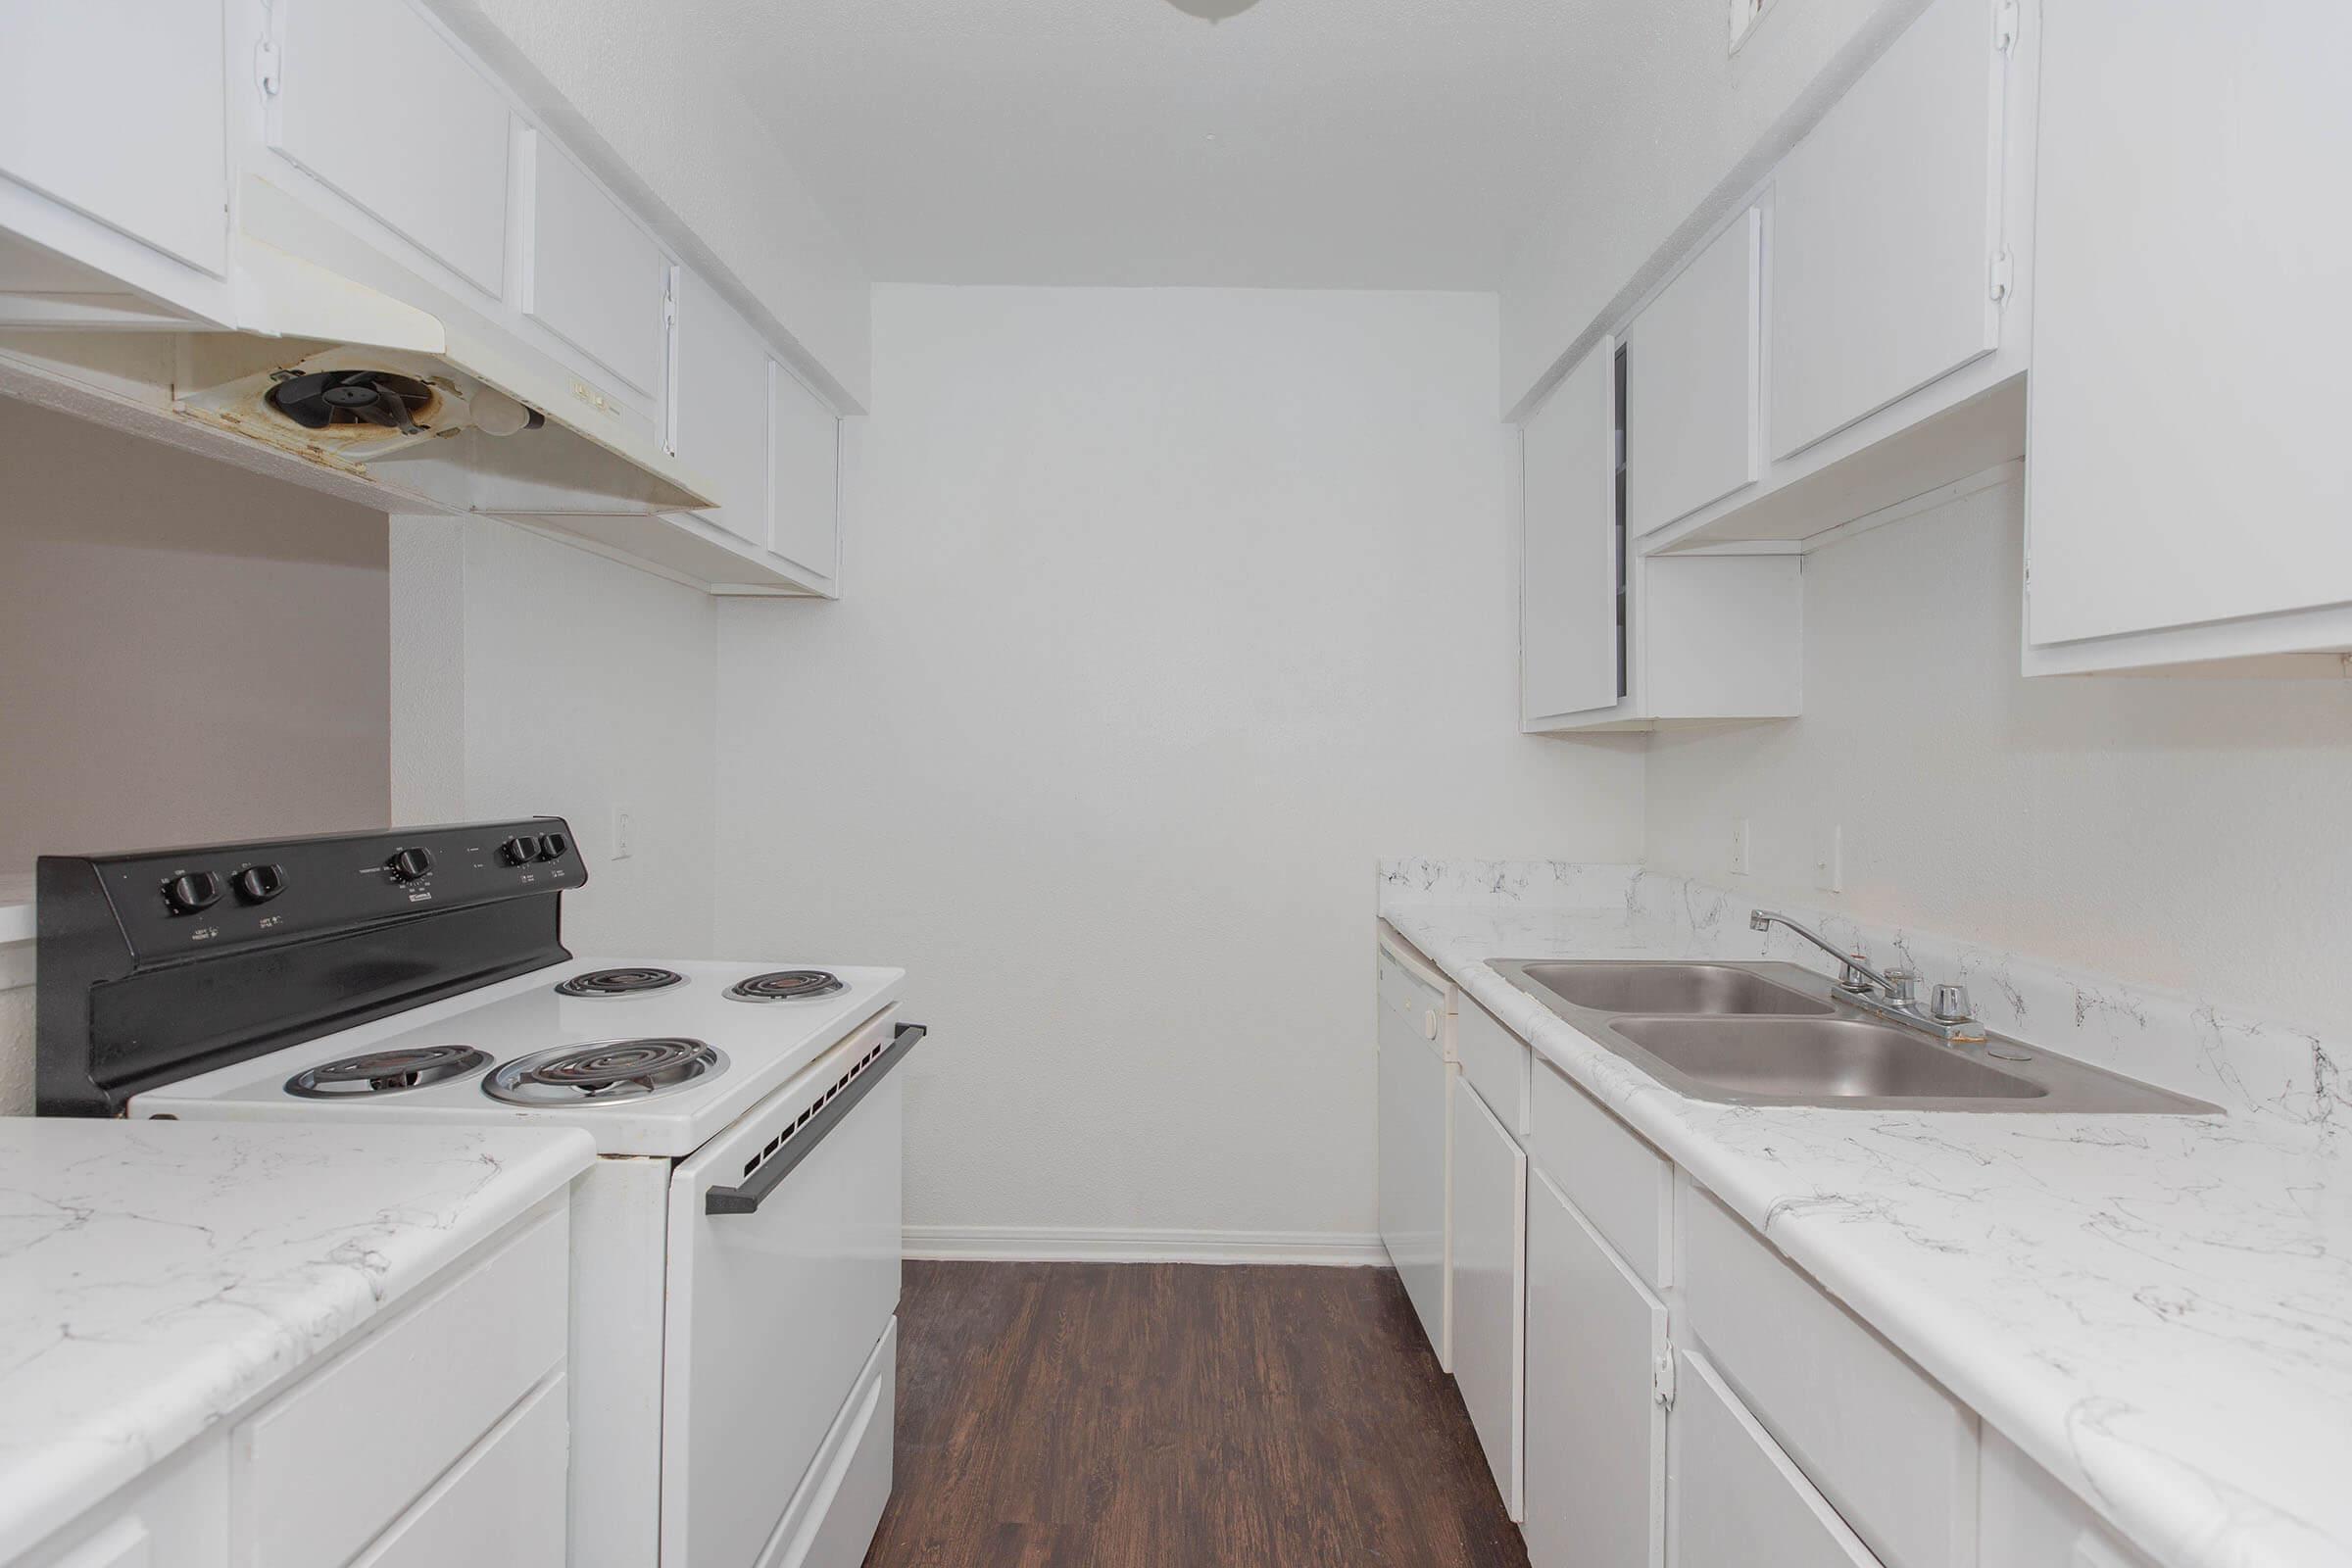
(552, 846)
(520, 850)
(406, 865)
(259, 884)
(192, 892)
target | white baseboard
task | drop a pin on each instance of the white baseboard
(1028, 1243)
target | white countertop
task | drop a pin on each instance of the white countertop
(2158, 1310)
(155, 1277)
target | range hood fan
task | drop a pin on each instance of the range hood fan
(352, 397)
(356, 404)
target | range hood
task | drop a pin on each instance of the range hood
(343, 368)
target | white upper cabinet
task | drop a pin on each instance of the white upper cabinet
(805, 457)
(2187, 494)
(1885, 220)
(595, 278)
(117, 111)
(384, 110)
(722, 408)
(1691, 384)
(1568, 592)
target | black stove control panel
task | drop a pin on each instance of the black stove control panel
(173, 903)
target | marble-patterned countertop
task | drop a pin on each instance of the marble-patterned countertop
(156, 1277)
(2158, 1310)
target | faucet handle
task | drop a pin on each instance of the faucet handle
(1902, 987)
(1852, 977)
(1951, 1005)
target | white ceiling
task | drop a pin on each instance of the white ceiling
(1305, 143)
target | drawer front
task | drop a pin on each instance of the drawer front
(1622, 1186)
(1734, 1497)
(1892, 1451)
(1495, 1062)
(2030, 1521)
(174, 1516)
(500, 1507)
(833, 1517)
(319, 1474)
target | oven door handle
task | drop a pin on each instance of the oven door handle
(770, 1176)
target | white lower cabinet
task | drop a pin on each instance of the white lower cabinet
(1596, 1448)
(1892, 1451)
(439, 1438)
(1489, 1291)
(1734, 1497)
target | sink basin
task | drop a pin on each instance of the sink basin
(1702, 988)
(1821, 1059)
(1775, 1034)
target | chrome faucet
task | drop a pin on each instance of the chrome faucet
(1893, 995)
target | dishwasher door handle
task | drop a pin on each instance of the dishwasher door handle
(746, 1199)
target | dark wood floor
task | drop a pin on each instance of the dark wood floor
(1093, 1415)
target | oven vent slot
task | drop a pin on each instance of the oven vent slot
(839, 1084)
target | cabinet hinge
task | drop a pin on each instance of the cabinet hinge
(2004, 25)
(265, 67)
(1661, 1380)
(2000, 275)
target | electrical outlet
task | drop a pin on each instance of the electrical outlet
(1739, 846)
(1829, 863)
(624, 833)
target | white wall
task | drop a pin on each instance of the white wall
(2180, 832)
(529, 677)
(188, 652)
(1667, 118)
(1168, 611)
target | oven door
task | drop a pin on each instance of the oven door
(783, 1277)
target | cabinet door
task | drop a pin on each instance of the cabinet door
(805, 440)
(2185, 442)
(1734, 1497)
(146, 153)
(1690, 384)
(1489, 1230)
(1884, 221)
(595, 279)
(1569, 594)
(1595, 1431)
(383, 109)
(722, 408)
(1413, 1076)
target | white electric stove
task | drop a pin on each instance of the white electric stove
(660, 1100)
(735, 1253)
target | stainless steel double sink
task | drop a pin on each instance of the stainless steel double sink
(1774, 1034)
